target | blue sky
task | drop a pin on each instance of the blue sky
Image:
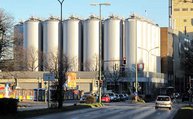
(156, 10)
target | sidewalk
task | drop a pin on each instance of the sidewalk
(32, 105)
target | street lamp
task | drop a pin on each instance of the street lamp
(100, 43)
(60, 60)
(148, 51)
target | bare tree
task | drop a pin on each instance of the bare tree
(50, 63)
(113, 76)
(92, 64)
(60, 87)
(6, 25)
(31, 59)
(18, 50)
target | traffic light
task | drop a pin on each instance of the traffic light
(124, 60)
(97, 83)
(100, 83)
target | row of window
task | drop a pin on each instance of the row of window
(183, 9)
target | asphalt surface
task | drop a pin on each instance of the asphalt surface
(118, 110)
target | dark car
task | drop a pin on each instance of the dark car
(122, 97)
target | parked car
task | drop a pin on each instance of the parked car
(126, 96)
(105, 98)
(122, 97)
(117, 97)
(112, 96)
(163, 101)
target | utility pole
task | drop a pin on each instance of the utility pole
(60, 60)
(100, 45)
(148, 53)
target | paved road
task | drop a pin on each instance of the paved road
(117, 111)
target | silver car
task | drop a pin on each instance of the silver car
(163, 101)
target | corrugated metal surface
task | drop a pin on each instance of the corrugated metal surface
(147, 35)
(87, 75)
(86, 87)
(51, 40)
(28, 85)
(32, 42)
(112, 43)
(130, 36)
(91, 44)
(72, 42)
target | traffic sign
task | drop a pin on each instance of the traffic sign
(190, 91)
(48, 76)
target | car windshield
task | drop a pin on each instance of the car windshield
(163, 99)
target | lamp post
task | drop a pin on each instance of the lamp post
(60, 60)
(61, 3)
(148, 51)
(100, 43)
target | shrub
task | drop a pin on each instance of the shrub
(8, 105)
(139, 99)
(90, 99)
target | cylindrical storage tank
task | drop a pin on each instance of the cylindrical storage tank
(139, 39)
(142, 44)
(32, 43)
(51, 40)
(72, 42)
(112, 43)
(18, 47)
(130, 42)
(91, 44)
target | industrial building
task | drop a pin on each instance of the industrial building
(135, 39)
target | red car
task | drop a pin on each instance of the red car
(105, 98)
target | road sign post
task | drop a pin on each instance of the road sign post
(48, 77)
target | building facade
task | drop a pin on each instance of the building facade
(181, 16)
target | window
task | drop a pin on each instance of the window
(176, 9)
(184, 9)
(192, 22)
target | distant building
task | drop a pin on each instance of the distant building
(181, 16)
(167, 53)
(181, 23)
